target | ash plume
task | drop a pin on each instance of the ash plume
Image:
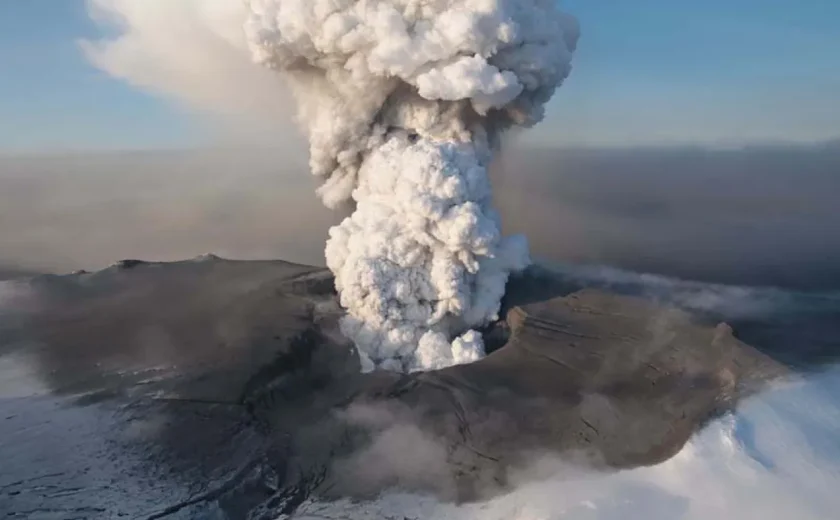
(404, 102)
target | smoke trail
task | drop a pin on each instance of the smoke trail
(193, 52)
(404, 102)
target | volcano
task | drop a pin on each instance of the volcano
(216, 387)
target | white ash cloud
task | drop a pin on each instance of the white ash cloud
(404, 102)
(195, 53)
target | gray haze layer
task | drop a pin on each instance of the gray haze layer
(754, 216)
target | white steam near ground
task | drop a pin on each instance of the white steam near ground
(403, 103)
(734, 302)
(776, 458)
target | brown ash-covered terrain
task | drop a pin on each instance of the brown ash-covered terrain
(222, 389)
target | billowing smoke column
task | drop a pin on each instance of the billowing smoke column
(404, 102)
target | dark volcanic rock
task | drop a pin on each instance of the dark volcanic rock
(212, 387)
(132, 387)
(610, 380)
(11, 272)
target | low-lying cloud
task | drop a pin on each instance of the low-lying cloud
(750, 217)
(756, 216)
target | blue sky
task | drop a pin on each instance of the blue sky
(647, 72)
(52, 98)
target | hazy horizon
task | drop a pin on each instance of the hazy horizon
(756, 215)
